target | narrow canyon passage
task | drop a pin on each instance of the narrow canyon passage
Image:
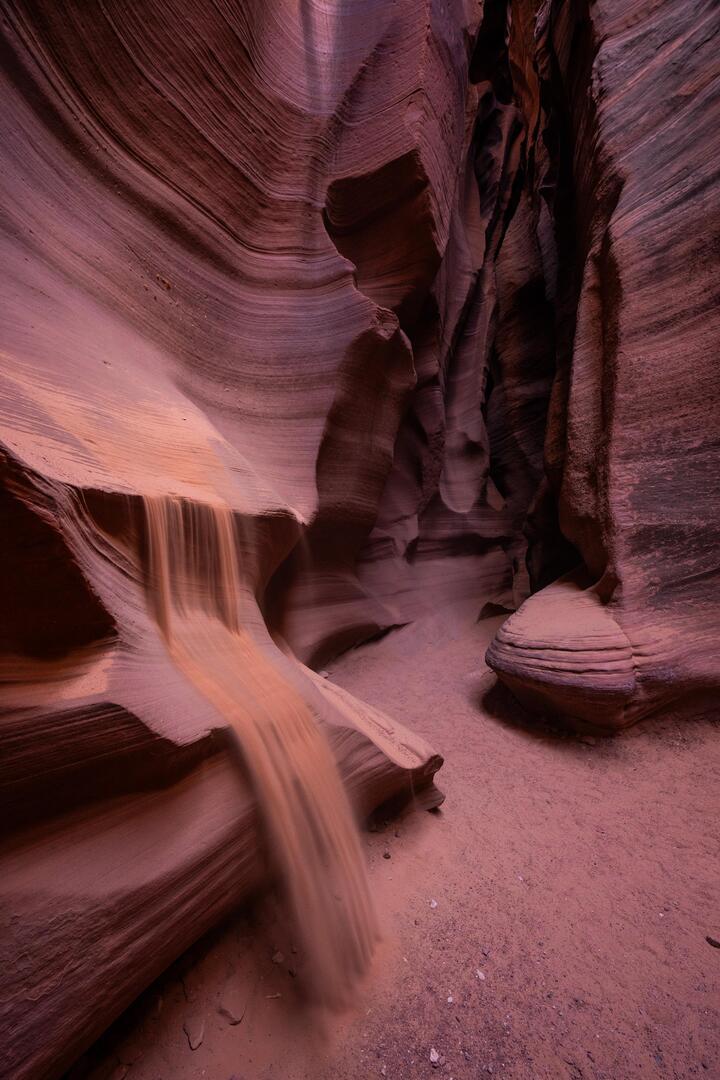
(549, 922)
(359, 443)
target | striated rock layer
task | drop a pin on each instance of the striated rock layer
(181, 331)
(629, 97)
(415, 305)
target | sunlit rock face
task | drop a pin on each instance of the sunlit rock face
(410, 306)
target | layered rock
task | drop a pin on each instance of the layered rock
(179, 328)
(632, 443)
(417, 299)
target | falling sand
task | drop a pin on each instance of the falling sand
(196, 596)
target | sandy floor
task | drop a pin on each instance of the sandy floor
(549, 921)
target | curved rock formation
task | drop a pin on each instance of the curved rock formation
(571, 651)
(633, 96)
(416, 302)
(180, 330)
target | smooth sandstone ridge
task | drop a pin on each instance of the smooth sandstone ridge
(318, 316)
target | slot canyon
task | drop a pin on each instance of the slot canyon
(360, 485)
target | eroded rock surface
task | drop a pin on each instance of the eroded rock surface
(180, 330)
(631, 94)
(422, 296)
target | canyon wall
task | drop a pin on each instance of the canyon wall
(630, 101)
(416, 302)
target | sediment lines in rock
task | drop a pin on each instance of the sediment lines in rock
(132, 802)
(424, 296)
(633, 423)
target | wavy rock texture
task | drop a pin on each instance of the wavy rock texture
(425, 294)
(631, 101)
(178, 325)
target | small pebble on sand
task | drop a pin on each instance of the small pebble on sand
(194, 1028)
(433, 903)
(232, 1007)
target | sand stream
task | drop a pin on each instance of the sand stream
(196, 594)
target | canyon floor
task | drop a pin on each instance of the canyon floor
(550, 921)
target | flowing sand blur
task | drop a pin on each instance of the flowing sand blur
(195, 592)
